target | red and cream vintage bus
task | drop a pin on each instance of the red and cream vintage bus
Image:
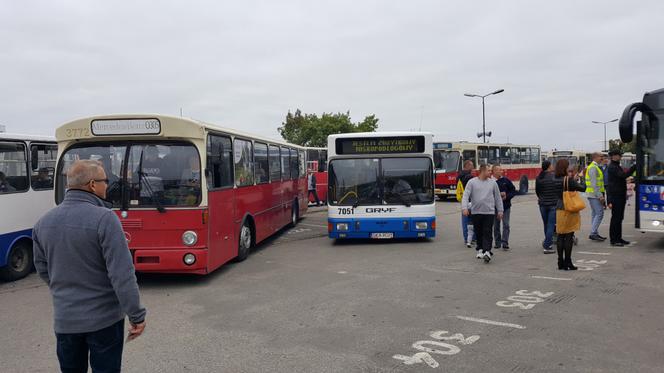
(522, 163)
(191, 196)
(317, 162)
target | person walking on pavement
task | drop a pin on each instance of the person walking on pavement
(565, 229)
(466, 223)
(547, 200)
(595, 192)
(616, 193)
(311, 183)
(81, 252)
(507, 192)
(486, 206)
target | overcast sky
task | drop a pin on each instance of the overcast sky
(244, 64)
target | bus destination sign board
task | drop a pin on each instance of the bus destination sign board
(380, 145)
(111, 127)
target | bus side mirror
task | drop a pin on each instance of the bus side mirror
(626, 124)
(34, 158)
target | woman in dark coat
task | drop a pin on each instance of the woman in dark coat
(565, 239)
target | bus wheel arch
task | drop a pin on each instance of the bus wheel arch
(246, 238)
(19, 260)
(523, 185)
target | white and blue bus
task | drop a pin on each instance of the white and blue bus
(649, 158)
(27, 166)
(381, 185)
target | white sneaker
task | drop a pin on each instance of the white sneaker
(487, 256)
(469, 245)
(479, 254)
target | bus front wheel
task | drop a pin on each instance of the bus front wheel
(246, 241)
(19, 263)
(523, 185)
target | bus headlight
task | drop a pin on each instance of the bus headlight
(342, 226)
(189, 238)
(189, 259)
(421, 225)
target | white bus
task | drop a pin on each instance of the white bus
(27, 166)
(380, 185)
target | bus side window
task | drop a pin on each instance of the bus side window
(42, 176)
(219, 162)
(13, 168)
(494, 155)
(470, 155)
(294, 169)
(261, 163)
(322, 161)
(244, 163)
(275, 164)
(285, 164)
(505, 157)
(483, 155)
(302, 163)
(534, 155)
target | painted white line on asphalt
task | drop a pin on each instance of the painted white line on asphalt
(314, 225)
(491, 322)
(552, 278)
(592, 253)
(342, 272)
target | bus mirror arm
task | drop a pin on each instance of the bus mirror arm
(626, 124)
(34, 158)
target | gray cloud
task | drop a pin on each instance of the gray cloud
(245, 64)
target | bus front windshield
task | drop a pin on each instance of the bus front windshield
(154, 174)
(446, 161)
(381, 181)
(653, 149)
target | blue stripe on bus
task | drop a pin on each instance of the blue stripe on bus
(364, 227)
(7, 241)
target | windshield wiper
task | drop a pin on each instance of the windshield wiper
(148, 188)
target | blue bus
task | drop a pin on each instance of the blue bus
(381, 185)
(649, 158)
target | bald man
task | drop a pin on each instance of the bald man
(81, 252)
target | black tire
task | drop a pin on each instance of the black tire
(19, 263)
(523, 185)
(245, 243)
(295, 215)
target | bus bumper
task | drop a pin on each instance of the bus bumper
(382, 228)
(169, 260)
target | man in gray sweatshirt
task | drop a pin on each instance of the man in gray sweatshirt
(81, 252)
(487, 205)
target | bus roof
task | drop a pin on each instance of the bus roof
(16, 136)
(377, 134)
(168, 127)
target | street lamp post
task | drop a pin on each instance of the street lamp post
(606, 146)
(483, 115)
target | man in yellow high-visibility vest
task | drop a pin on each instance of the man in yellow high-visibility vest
(595, 193)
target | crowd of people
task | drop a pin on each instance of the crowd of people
(486, 201)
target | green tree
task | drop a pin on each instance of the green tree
(624, 147)
(311, 130)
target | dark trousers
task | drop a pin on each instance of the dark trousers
(564, 245)
(483, 231)
(502, 237)
(617, 216)
(315, 196)
(104, 347)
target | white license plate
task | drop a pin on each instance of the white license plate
(382, 235)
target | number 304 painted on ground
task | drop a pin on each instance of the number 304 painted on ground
(589, 265)
(436, 347)
(524, 300)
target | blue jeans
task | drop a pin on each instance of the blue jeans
(465, 221)
(597, 214)
(549, 220)
(104, 347)
(502, 238)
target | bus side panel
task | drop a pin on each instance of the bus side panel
(303, 195)
(251, 200)
(321, 187)
(223, 244)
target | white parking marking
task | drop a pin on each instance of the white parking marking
(314, 225)
(491, 322)
(552, 278)
(342, 272)
(592, 253)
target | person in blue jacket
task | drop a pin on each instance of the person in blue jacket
(507, 192)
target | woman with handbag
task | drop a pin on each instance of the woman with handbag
(568, 217)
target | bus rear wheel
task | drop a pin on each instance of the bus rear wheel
(246, 242)
(523, 185)
(19, 263)
(295, 214)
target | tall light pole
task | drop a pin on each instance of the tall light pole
(606, 146)
(483, 115)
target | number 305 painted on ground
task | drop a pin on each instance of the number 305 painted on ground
(524, 300)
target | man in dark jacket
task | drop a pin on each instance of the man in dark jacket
(616, 193)
(507, 192)
(547, 200)
(464, 176)
(81, 252)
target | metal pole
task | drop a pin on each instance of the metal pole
(606, 146)
(483, 121)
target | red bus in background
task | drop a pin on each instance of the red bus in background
(191, 196)
(317, 162)
(522, 163)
